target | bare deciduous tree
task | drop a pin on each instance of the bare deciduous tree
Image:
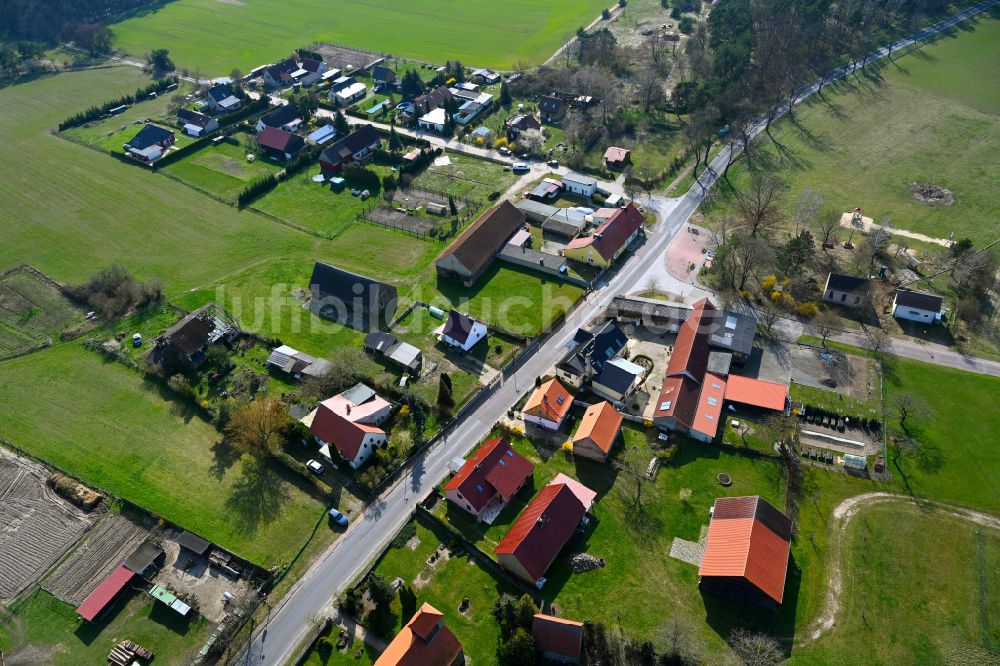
(755, 649)
(909, 408)
(827, 225)
(807, 206)
(758, 203)
(825, 324)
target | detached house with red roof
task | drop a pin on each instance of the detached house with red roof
(425, 641)
(597, 432)
(279, 144)
(746, 555)
(349, 422)
(558, 639)
(489, 479)
(540, 533)
(609, 240)
(548, 405)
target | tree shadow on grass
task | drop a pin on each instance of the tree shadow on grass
(224, 457)
(257, 496)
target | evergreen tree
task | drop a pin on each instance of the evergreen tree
(340, 122)
(505, 99)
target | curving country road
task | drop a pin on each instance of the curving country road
(276, 640)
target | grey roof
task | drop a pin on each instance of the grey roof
(565, 223)
(549, 105)
(193, 117)
(405, 354)
(148, 136)
(337, 286)
(536, 211)
(649, 310)
(143, 557)
(919, 299)
(733, 332)
(220, 92)
(359, 394)
(719, 362)
(730, 331)
(193, 542)
(536, 257)
(615, 377)
(595, 346)
(577, 178)
(846, 283)
(380, 341)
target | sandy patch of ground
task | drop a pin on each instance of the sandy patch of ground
(867, 224)
(186, 574)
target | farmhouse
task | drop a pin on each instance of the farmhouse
(401, 353)
(585, 186)
(551, 109)
(187, 341)
(279, 144)
(540, 532)
(597, 432)
(360, 302)
(194, 123)
(281, 74)
(617, 158)
(849, 290)
(520, 123)
(349, 422)
(558, 639)
(548, 405)
(315, 70)
(617, 380)
(474, 251)
(149, 144)
(355, 148)
(220, 99)
(746, 555)
(917, 306)
(488, 480)
(609, 240)
(425, 641)
(295, 363)
(285, 117)
(461, 331)
(589, 351)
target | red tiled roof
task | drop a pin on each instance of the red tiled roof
(424, 641)
(612, 234)
(615, 154)
(691, 346)
(555, 635)
(709, 412)
(345, 435)
(748, 538)
(425, 620)
(105, 593)
(582, 492)
(496, 468)
(275, 138)
(678, 399)
(600, 423)
(550, 401)
(756, 392)
(543, 528)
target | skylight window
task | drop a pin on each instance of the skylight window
(713, 402)
(560, 399)
(665, 405)
(731, 322)
(479, 488)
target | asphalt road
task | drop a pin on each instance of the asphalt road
(290, 620)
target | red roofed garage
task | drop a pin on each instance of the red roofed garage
(756, 393)
(105, 593)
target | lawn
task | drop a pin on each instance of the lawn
(906, 599)
(105, 425)
(213, 37)
(42, 629)
(222, 169)
(933, 116)
(467, 177)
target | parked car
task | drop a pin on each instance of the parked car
(553, 164)
(337, 517)
(520, 167)
(315, 467)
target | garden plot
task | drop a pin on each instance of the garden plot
(32, 310)
(114, 538)
(347, 59)
(390, 217)
(830, 370)
(36, 526)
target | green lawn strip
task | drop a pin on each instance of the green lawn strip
(214, 37)
(222, 169)
(911, 591)
(103, 424)
(52, 633)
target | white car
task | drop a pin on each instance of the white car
(315, 467)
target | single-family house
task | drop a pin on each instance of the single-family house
(589, 350)
(425, 641)
(548, 405)
(610, 238)
(295, 363)
(355, 148)
(617, 158)
(540, 533)
(401, 353)
(315, 69)
(423, 104)
(546, 190)
(551, 109)
(280, 74)
(285, 118)
(360, 302)
(747, 551)
(384, 77)
(149, 143)
(617, 380)
(196, 124)
(279, 144)
(849, 290)
(329, 76)
(470, 105)
(475, 250)
(186, 342)
(574, 183)
(917, 306)
(462, 331)
(349, 423)
(486, 76)
(520, 123)
(558, 639)
(598, 430)
(488, 480)
(436, 120)
(348, 94)
(220, 99)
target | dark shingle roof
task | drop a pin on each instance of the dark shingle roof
(193, 542)
(219, 92)
(616, 378)
(331, 282)
(363, 137)
(432, 100)
(458, 326)
(733, 332)
(551, 105)
(280, 116)
(380, 73)
(148, 136)
(846, 283)
(919, 300)
(380, 341)
(190, 117)
(143, 557)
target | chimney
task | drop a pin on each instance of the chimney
(348, 409)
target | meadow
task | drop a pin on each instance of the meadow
(212, 37)
(930, 116)
(222, 169)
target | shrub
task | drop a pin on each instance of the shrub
(768, 282)
(606, 14)
(113, 291)
(408, 532)
(807, 309)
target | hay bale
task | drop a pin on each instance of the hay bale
(73, 492)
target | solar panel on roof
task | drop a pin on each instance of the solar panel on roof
(664, 406)
(730, 321)
(560, 399)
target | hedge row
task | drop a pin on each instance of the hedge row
(95, 112)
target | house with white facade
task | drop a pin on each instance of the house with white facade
(462, 331)
(349, 423)
(917, 306)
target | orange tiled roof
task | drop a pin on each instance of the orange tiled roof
(550, 401)
(424, 641)
(600, 423)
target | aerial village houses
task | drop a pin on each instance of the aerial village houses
(475, 250)
(551, 109)
(295, 363)
(618, 379)
(384, 77)
(747, 551)
(281, 74)
(558, 639)
(347, 90)
(187, 341)
(521, 123)
(149, 143)
(610, 238)
(279, 144)
(196, 124)
(401, 353)
(424, 641)
(462, 331)
(598, 431)
(424, 104)
(360, 302)
(285, 118)
(548, 405)
(349, 423)
(617, 158)
(589, 350)
(917, 306)
(220, 99)
(488, 480)
(574, 183)
(315, 70)
(355, 148)
(849, 290)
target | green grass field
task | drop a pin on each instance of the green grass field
(912, 592)
(931, 117)
(32, 311)
(213, 37)
(222, 169)
(466, 177)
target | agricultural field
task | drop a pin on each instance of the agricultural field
(33, 311)
(932, 116)
(212, 37)
(222, 169)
